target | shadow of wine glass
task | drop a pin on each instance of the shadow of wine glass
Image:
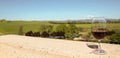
(92, 46)
(95, 48)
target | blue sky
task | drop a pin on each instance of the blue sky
(58, 9)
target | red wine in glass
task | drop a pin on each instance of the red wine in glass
(99, 34)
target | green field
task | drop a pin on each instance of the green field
(13, 26)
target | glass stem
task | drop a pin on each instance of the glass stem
(99, 46)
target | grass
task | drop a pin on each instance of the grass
(13, 26)
(84, 25)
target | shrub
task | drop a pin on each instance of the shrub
(36, 34)
(45, 34)
(115, 38)
(58, 34)
(29, 33)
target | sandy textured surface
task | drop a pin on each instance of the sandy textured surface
(14, 46)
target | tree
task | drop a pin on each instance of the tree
(67, 31)
(20, 32)
(46, 28)
(49, 29)
(2, 20)
(73, 28)
(60, 28)
(71, 31)
(42, 28)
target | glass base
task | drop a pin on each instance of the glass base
(100, 52)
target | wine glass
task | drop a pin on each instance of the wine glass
(98, 29)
